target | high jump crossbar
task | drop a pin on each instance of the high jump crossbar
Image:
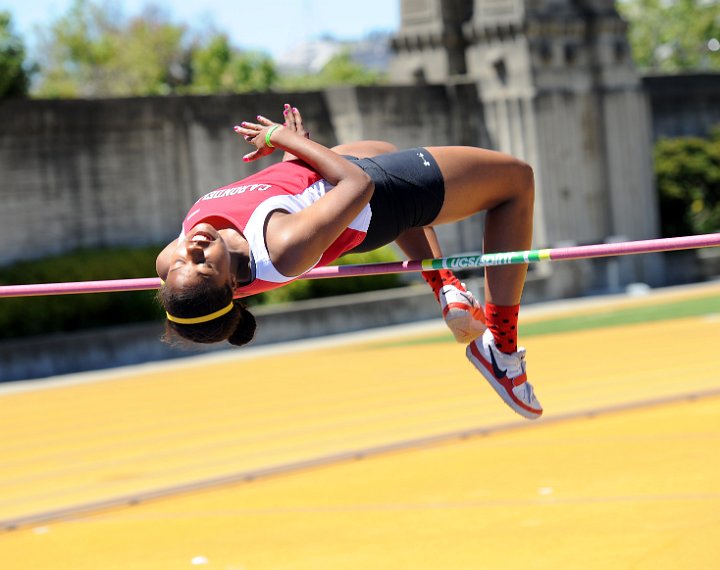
(458, 262)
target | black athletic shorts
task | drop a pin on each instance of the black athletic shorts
(409, 192)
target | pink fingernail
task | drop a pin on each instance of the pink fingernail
(246, 159)
(295, 109)
(285, 112)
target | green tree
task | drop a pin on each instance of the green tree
(217, 67)
(674, 35)
(14, 78)
(688, 178)
(93, 51)
(341, 69)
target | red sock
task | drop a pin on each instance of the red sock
(439, 278)
(502, 321)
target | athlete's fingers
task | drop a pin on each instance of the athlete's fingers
(297, 120)
(247, 131)
(250, 156)
(265, 121)
(289, 117)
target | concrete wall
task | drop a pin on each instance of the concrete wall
(85, 173)
(105, 172)
(118, 172)
(108, 172)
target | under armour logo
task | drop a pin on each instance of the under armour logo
(422, 156)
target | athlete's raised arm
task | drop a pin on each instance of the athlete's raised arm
(297, 241)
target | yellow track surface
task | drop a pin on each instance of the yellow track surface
(632, 488)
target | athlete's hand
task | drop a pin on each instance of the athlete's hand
(293, 121)
(255, 134)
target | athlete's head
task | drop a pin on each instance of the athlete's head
(200, 255)
(198, 292)
(206, 313)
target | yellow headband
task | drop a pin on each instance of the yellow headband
(203, 319)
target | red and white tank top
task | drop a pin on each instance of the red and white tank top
(246, 204)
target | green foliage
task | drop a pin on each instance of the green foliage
(94, 51)
(217, 67)
(62, 313)
(656, 312)
(42, 315)
(673, 36)
(316, 288)
(688, 178)
(340, 70)
(14, 78)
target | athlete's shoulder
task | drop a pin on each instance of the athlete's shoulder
(291, 170)
(285, 166)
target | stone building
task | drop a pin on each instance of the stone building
(557, 87)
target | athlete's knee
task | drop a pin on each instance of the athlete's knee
(523, 180)
(367, 148)
(382, 147)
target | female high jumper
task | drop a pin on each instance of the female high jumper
(270, 228)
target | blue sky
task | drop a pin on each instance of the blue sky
(275, 26)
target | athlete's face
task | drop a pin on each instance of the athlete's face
(201, 255)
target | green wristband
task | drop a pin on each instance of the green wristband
(267, 135)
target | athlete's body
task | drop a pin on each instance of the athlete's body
(272, 227)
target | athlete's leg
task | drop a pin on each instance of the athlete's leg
(419, 243)
(503, 186)
(364, 149)
(476, 180)
(462, 313)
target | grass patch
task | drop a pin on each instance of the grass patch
(695, 307)
(27, 316)
(629, 316)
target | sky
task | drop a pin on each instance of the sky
(274, 26)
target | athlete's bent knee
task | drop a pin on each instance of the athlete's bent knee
(364, 149)
(382, 147)
(523, 180)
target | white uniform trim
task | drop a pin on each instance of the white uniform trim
(255, 235)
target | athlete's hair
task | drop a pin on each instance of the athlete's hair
(236, 326)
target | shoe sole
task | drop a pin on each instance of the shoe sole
(499, 388)
(463, 326)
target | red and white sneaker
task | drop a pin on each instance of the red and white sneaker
(506, 374)
(463, 315)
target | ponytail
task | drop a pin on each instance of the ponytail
(245, 330)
